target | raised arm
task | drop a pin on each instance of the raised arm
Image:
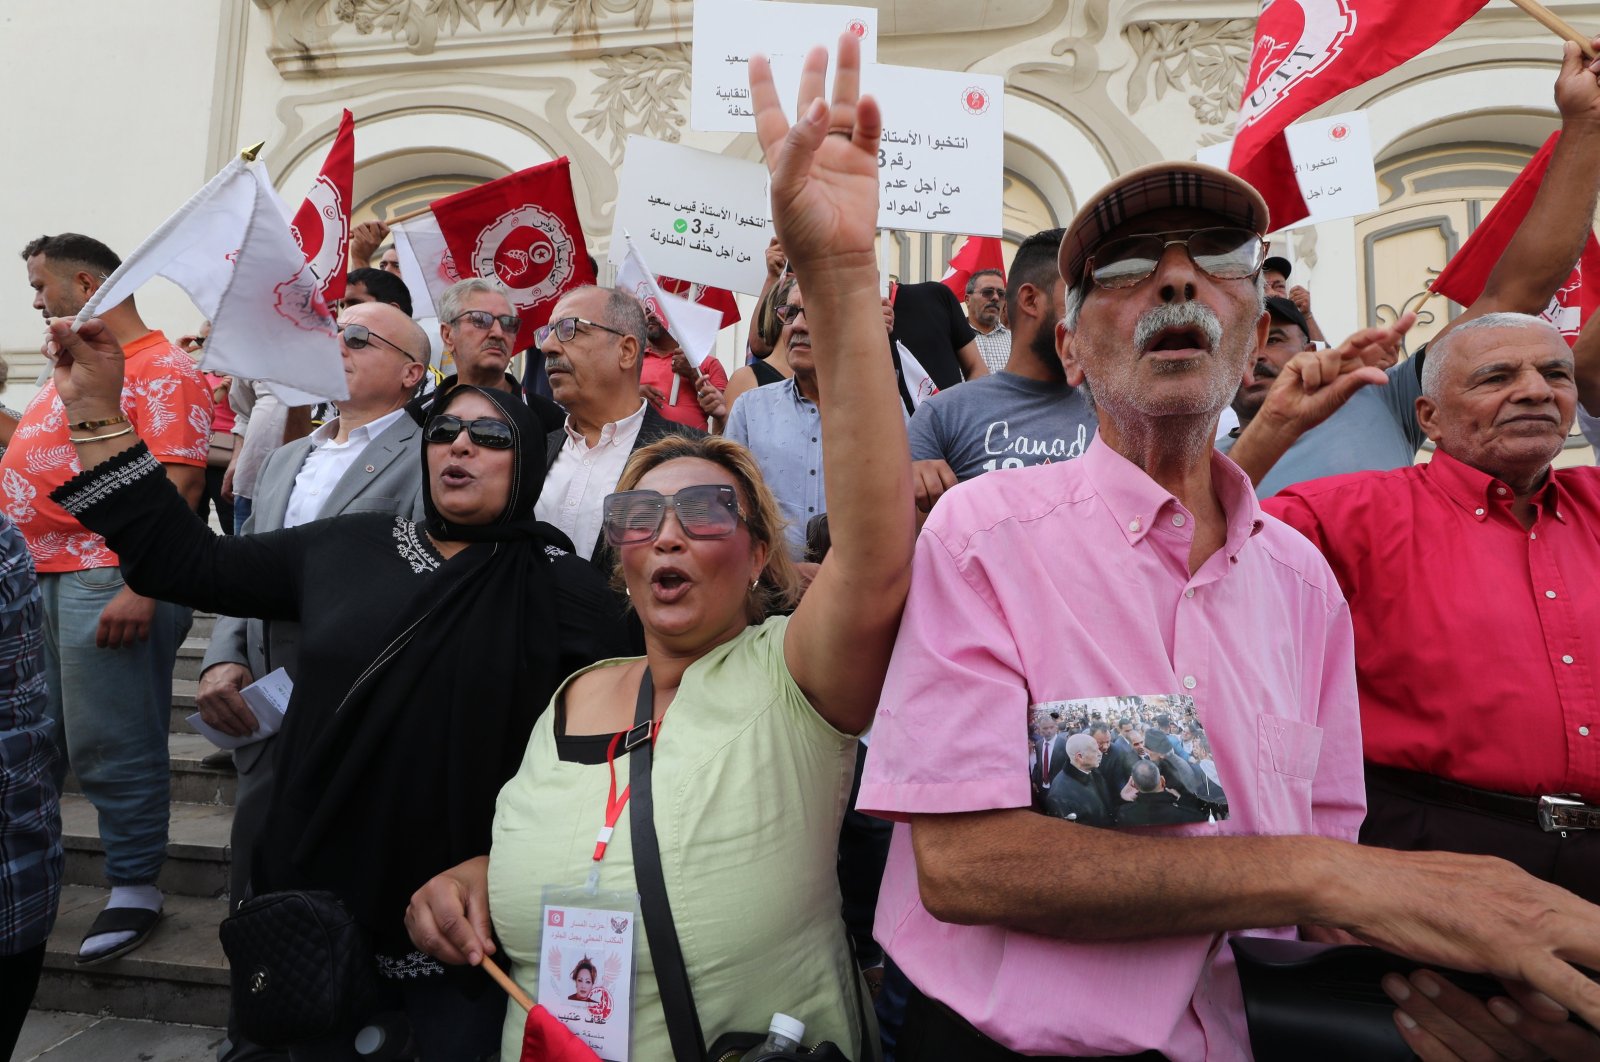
(166, 551)
(1546, 246)
(824, 205)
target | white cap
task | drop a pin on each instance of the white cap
(783, 1025)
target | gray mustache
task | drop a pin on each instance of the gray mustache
(1177, 315)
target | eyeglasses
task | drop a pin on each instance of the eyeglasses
(634, 517)
(989, 293)
(566, 328)
(485, 431)
(788, 313)
(1224, 253)
(484, 320)
(360, 337)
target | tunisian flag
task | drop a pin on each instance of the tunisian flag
(523, 231)
(719, 299)
(322, 225)
(1464, 276)
(975, 255)
(1306, 53)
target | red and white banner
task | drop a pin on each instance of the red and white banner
(523, 232)
(1464, 276)
(425, 262)
(322, 225)
(229, 248)
(693, 325)
(719, 299)
(975, 255)
(1306, 53)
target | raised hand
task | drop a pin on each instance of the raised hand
(88, 368)
(1316, 383)
(825, 168)
(1577, 88)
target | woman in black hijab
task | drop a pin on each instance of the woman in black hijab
(428, 649)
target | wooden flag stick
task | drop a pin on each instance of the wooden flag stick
(491, 968)
(409, 215)
(1555, 24)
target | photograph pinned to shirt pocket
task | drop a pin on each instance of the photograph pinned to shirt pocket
(1133, 760)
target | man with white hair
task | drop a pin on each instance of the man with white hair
(1079, 793)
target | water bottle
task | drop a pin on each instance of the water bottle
(783, 1034)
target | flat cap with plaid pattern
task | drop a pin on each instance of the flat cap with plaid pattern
(1158, 186)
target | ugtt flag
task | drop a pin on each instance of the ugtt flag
(522, 231)
(1468, 271)
(1306, 53)
(322, 224)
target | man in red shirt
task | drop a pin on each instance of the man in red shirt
(109, 652)
(698, 400)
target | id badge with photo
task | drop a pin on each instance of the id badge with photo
(586, 965)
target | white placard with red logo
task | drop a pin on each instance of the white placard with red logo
(943, 151)
(1332, 161)
(694, 214)
(585, 972)
(728, 32)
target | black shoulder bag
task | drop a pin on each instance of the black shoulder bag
(672, 976)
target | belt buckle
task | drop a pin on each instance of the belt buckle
(1566, 813)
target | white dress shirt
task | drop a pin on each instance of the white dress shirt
(576, 486)
(326, 463)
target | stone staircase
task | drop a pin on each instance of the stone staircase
(180, 974)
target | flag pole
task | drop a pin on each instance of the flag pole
(249, 154)
(1555, 24)
(409, 215)
(492, 968)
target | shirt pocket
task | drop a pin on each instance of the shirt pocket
(1286, 760)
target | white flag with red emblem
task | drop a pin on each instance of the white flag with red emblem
(425, 262)
(694, 326)
(229, 248)
(918, 383)
(322, 224)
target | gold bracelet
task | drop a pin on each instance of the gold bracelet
(90, 425)
(102, 438)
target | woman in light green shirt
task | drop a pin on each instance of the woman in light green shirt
(752, 766)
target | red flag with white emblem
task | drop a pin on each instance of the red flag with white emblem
(719, 299)
(322, 225)
(521, 231)
(976, 254)
(1306, 53)
(1468, 271)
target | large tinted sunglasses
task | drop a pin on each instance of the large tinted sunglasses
(360, 337)
(484, 320)
(1225, 253)
(485, 431)
(633, 517)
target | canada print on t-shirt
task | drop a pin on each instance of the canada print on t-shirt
(1124, 761)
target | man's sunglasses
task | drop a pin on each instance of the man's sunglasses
(485, 431)
(567, 328)
(634, 517)
(360, 337)
(510, 323)
(1224, 253)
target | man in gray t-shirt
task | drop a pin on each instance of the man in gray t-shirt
(1026, 414)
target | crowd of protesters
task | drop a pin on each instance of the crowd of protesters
(1089, 660)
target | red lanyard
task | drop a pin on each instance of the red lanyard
(615, 803)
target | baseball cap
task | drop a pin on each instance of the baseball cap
(1285, 310)
(1278, 265)
(1156, 187)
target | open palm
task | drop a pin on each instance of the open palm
(825, 168)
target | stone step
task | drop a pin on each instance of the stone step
(179, 975)
(183, 706)
(202, 625)
(190, 656)
(63, 1036)
(197, 847)
(192, 781)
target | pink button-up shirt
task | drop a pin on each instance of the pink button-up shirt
(1070, 581)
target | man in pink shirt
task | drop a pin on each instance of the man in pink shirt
(1143, 581)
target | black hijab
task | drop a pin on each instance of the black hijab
(400, 782)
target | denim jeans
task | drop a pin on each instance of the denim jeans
(112, 708)
(241, 513)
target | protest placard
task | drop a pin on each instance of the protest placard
(695, 215)
(942, 156)
(1332, 161)
(728, 32)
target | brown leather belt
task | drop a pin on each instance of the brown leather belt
(1550, 813)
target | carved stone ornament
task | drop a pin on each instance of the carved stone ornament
(639, 92)
(420, 23)
(1208, 57)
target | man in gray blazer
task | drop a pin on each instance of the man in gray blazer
(366, 459)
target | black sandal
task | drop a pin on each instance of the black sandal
(139, 920)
